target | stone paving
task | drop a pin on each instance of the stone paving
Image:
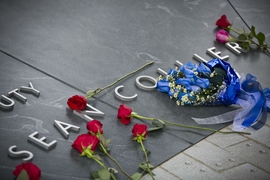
(222, 157)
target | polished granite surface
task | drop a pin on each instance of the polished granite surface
(67, 47)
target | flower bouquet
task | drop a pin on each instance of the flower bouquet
(217, 83)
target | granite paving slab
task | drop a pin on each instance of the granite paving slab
(252, 173)
(253, 153)
(67, 47)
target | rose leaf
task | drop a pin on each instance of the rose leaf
(112, 170)
(242, 37)
(97, 157)
(253, 31)
(94, 174)
(107, 142)
(245, 45)
(136, 176)
(157, 123)
(90, 93)
(23, 175)
(145, 167)
(261, 38)
(104, 174)
(154, 128)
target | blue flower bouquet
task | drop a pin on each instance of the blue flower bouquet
(217, 83)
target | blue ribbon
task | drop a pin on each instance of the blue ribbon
(266, 92)
(252, 88)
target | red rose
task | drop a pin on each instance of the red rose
(32, 170)
(77, 102)
(84, 141)
(223, 22)
(94, 127)
(139, 131)
(124, 113)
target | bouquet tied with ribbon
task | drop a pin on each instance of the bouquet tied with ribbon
(217, 83)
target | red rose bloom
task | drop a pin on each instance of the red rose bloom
(124, 114)
(32, 170)
(139, 131)
(94, 127)
(77, 102)
(84, 141)
(223, 22)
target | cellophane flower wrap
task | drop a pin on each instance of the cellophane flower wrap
(211, 83)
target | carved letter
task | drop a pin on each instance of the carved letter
(20, 153)
(84, 114)
(199, 58)
(234, 47)
(40, 142)
(63, 129)
(162, 72)
(149, 78)
(31, 89)
(216, 54)
(17, 95)
(178, 63)
(6, 106)
(121, 97)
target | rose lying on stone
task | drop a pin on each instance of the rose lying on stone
(33, 172)
(94, 127)
(86, 144)
(223, 36)
(139, 131)
(124, 114)
(77, 102)
(223, 22)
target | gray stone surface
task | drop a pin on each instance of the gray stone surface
(256, 135)
(186, 167)
(252, 166)
(227, 140)
(161, 173)
(68, 47)
(213, 156)
(39, 113)
(245, 171)
(252, 152)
